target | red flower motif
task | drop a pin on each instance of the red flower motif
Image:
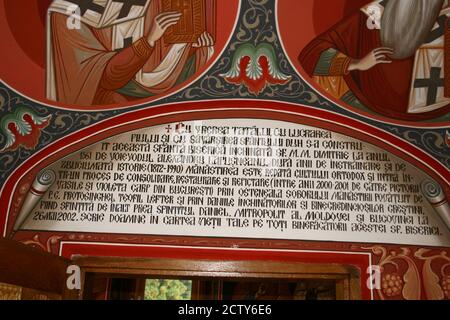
(22, 129)
(256, 68)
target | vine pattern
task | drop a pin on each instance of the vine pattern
(402, 275)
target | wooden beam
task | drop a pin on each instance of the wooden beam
(28, 267)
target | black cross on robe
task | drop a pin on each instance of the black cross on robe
(86, 5)
(433, 84)
(127, 42)
(127, 5)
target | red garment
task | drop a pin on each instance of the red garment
(84, 69)
(384, 88)
(120, 70)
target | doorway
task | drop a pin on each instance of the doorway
(171, 279)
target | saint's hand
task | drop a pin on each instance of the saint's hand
(377, 56)
(162, 22)
(205, 40)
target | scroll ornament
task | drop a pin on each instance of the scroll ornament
(436, 197)
(40, 186)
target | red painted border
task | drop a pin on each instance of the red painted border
(217, 110)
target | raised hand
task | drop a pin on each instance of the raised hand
(161, 23)
(377, 56)
(205, 40)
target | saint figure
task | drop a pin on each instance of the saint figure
(392, 57)
(102, 52)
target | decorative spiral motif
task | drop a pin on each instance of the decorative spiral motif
(431, 189)
(46, 177)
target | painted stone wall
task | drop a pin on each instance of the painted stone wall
(245, 155)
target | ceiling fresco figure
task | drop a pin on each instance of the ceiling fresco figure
(108, 52)
(390, 57)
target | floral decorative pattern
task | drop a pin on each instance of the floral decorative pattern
(256, 68)
(436, 285)
(22, 128)
(447, 138)
(48, 246)
(407, 286)
(402, 276)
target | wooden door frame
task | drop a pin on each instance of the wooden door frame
(30, 272)
(347, 277)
